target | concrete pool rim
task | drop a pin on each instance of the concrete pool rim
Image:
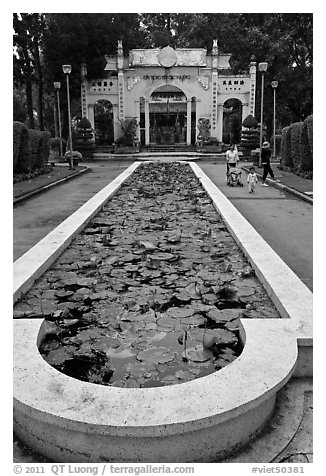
(294, 331)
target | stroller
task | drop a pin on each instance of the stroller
(234, 176)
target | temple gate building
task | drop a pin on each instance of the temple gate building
(170, 93)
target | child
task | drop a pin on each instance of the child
(252, 179)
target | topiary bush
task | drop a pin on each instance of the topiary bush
(249, 135)
(250, 122)
(21, 148)
(85, 138)
(295, 132)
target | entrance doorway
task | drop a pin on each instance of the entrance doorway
(168, 116)
(103, 121)
(232, 121)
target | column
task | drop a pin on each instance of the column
(252, 92)
(83, 91)
(214, 120)
(188, 121)
(137, 106)
(220, 122)
(90, 115)
(146, 122)
(246, 110)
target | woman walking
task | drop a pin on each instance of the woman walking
(232, 158)
(266, 163)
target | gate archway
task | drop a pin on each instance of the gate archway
(232, 121)
(168, 116)
(103, 122)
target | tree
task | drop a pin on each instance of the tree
(29, 28)
(19, 111)
(23, 64)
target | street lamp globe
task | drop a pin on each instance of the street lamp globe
(263, 67)
(66, 68)
(274, 84)
(57, 85)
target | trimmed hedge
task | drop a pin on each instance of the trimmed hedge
(35, 137)
(21, 148)
(30, 148)
(306, 162)
(295, 131)
(40, 148)
(309, 123)
(297, 146)
(286, 154)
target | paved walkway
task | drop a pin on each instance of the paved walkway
(284, 220)
(36, 217)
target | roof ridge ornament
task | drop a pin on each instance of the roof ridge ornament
(167, 57)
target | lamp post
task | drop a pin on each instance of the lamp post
(66, 68)
(57, 87)
(274, 86)
(262, 68)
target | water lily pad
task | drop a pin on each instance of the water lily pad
(106, 344)
(185, 375)
(120, 354)
(170, 380)
(195, 320)
(224, 315)
(130, 383)
(174, 237)
(180, 312)
(147, 245)
(58, 356)
(223, 337)
(156, 355)
(165, 321)
(199, 354)
(162, 256)
(139, 368)
(246, 291)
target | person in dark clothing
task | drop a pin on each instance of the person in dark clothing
(266, 163)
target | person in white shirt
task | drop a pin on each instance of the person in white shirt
(232, 158)
(252, 179)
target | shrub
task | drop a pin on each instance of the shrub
(76, 157)
(39, 148)
(19, 112)
(250, 122)
(309, 123)
(36, 148)
(21, 148)
(295, 132)
(249, 134)
(54, 144)
(129, 132)
(306, 161)
(286, 155)
(85, 139)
